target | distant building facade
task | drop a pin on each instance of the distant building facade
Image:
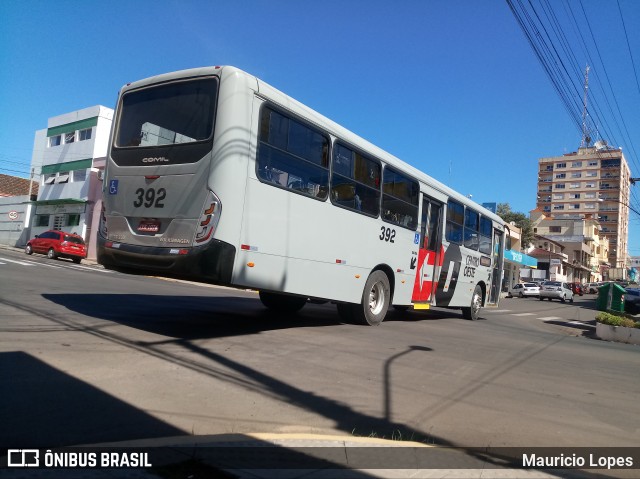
(593, 181)
(70, 154)
(585, 249)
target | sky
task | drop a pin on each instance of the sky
(450, 86)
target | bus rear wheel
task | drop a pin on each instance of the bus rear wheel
(376, 298)
(283, 303)
(473, 312)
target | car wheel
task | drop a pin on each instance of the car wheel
(473, 312)
(563, 299)
(571, 299)
(541, 298)
(28, 249)
(77, 260)
(376, 298)
(521, 295)
(51, 254)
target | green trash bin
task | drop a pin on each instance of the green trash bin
(610, 298)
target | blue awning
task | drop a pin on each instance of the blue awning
(520, 258)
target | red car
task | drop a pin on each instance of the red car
(577, 289)
(58, 244)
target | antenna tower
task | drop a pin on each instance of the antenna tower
(586, 139)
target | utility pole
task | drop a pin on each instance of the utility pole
(586, 139)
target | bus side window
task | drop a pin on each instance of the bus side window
(292, 155)
(355, 181)
(400, 199)
(455, 220)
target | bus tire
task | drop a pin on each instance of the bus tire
(376, 298)
(283, 303)
(473, 312)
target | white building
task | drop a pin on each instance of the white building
(68, 156)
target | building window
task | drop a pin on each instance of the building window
(593, 163)
(590, 184)
(62, 178)
(558, 207)
(555, 229)
(590, 206)
(575, 196)
(558, 196)
(561, 165)
(576, 164)
(79, 175)
(49, 179)
(84, 134)
(575, 206)
(591, 174)
(589, 196)
(69, 137)
(560, 186)
(561, 175)
(73, 220)
(42, 221)
(576, 175)
(55, 140)
(574, 185)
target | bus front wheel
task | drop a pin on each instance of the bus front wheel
(282, 303)
(473, 312)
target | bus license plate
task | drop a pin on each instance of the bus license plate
(149, 227)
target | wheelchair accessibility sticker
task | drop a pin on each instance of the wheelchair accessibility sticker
(113, 187)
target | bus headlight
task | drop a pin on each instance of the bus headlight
(208, 220)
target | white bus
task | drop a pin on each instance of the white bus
(213, 174)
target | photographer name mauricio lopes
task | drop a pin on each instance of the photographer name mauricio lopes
(575, 460)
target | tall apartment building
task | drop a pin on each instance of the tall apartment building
(592, 182)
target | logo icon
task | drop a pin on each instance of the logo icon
(113, 187)
(23, 458)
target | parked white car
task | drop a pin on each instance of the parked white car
(556, 290)
(524, 289)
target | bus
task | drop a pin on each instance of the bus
(214, 175)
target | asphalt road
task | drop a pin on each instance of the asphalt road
(90, 356)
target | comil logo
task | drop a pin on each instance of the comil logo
(24, 458)
(157, 159)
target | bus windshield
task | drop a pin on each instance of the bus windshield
(168, 114)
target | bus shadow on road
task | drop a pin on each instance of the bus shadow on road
(192, 317)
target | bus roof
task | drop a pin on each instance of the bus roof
(283, 100)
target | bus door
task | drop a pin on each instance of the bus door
(430, 253)
(496, 273)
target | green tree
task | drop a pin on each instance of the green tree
(521, 220)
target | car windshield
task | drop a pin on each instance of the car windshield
(552, 283)
(530, 285)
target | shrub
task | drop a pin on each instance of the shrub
(616, 320)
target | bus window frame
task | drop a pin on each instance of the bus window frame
(416, 218)
(290, 116)
(334, 148)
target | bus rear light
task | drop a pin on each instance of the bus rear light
(108, 244)
(208, 219)
(341, 261)
(246, 247)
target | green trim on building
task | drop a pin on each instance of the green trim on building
(69, 127)
(68, 166)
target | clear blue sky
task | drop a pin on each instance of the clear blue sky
(450, 86)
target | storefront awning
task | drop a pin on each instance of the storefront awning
(65, 201)
(520, 258)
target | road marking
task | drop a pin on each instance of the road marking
(550, 318)
(525, 314)
(24, 263)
